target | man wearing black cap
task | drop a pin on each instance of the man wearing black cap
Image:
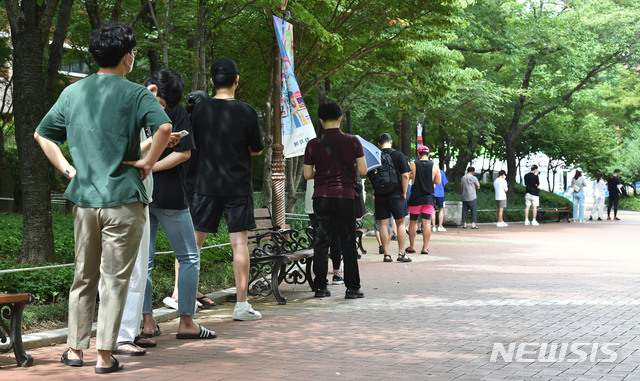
(532, 197)
(393, 201)
(227, 133)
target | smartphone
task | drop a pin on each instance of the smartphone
(184, 133)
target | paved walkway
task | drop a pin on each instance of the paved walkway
(556, 302)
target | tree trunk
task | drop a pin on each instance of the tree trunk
(511, 168)
(30, 25)
(406, 131)
(199, 79)
(93, 11)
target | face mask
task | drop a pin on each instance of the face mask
(133, 61)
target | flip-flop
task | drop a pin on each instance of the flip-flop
(150, 335)
(425, 252)
(113, 368)
(128, 353)
(138, 341)
(70, 362)
(409, 251)
(204, 334)
(474, 227)
(205, 302)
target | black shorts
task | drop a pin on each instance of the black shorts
(206, 212)
(391, 205)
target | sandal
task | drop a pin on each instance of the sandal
(144, 342)
(403, 258)
(125, 352)
(150, 335)
(387, 258)
(425, 252)
(205, 302)
(409, 251)
(70, 362)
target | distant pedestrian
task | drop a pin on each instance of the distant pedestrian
(390, 183)
(578, 183)
(500, 186)
(439, 195)
(599, 188)
(532, 197)
(425, 175)
(615, 186)
(469, 198)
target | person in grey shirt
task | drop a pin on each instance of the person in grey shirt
(469, 198)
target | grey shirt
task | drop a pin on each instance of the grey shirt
(469, 185)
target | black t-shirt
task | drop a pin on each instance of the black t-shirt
(224, 130)
(169, 185)
(612, 184)
(401, 164)
(531, 182)
(422, 190)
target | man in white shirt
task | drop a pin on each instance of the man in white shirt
(501, 188)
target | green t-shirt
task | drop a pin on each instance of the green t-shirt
(101, 117)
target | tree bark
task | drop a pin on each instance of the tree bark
(199, 79)
(30, 23)
(406, 131)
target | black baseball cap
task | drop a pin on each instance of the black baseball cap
(224, 65)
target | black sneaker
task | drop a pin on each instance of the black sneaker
(394, 238)
(590, 218)
(337, 279)
(353, 294)
(599, 219)
(322, 293)
(380, 249)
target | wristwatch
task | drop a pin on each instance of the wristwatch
(68, 171)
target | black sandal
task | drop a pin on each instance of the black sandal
(387, 258)
(403, 258)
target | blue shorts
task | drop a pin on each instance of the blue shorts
(440, 202)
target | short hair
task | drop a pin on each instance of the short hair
(110, 42)
(471, 169)
(329, 111)
(224, 72)
(170, 85)
(384, 137)
(616, 170)
(502, 172)
(534, 167)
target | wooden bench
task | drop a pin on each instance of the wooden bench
(278, 256)
(11, 307)
(563, 213)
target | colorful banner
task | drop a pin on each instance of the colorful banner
(297, 128)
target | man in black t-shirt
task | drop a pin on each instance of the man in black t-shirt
(532, 197)
(393, 203)
(227, 133)
(614, 185)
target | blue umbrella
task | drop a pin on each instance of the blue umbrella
(371, 154)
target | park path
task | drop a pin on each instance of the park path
(437, 318)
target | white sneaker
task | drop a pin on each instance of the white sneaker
(433, 229)
(534, 223)
(247, 313)
(170, 302)
(502, 224)
(527, 223)
(441, 229)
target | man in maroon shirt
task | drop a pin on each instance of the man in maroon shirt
(334, 160)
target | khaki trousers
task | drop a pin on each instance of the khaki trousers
(107, 242)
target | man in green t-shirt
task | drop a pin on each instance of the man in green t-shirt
(101, 117)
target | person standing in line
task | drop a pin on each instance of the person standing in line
(532, 197)
(425, 175)
(334, 160)
(614, 185)
(439, 195)
(500, 186)
(391, 200)
(227, 133)
(107, 187)
(578, 183)
(469, 198)
(599, 188)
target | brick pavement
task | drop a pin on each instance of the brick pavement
(436, 318)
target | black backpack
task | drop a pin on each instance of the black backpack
(385, 178)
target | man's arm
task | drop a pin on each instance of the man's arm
(54, 154)
(171, 160)
(361, 166)
(255, 153)
(308, 171)
(405, 183)
(437, 176)
(158, 144)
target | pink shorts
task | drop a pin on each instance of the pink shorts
(418, 209)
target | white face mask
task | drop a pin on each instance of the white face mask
(133, 60)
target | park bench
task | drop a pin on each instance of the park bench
(563, 213)
(11, 307)
(277, 256)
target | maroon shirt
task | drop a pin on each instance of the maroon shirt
(330, 179)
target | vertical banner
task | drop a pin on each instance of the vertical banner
(297, 128)
(419, 139)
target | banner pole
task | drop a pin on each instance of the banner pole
(278, 164)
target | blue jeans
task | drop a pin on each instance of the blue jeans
(578, 205)
(178, 227)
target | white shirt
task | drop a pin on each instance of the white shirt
(599, 188)
(501, 188)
